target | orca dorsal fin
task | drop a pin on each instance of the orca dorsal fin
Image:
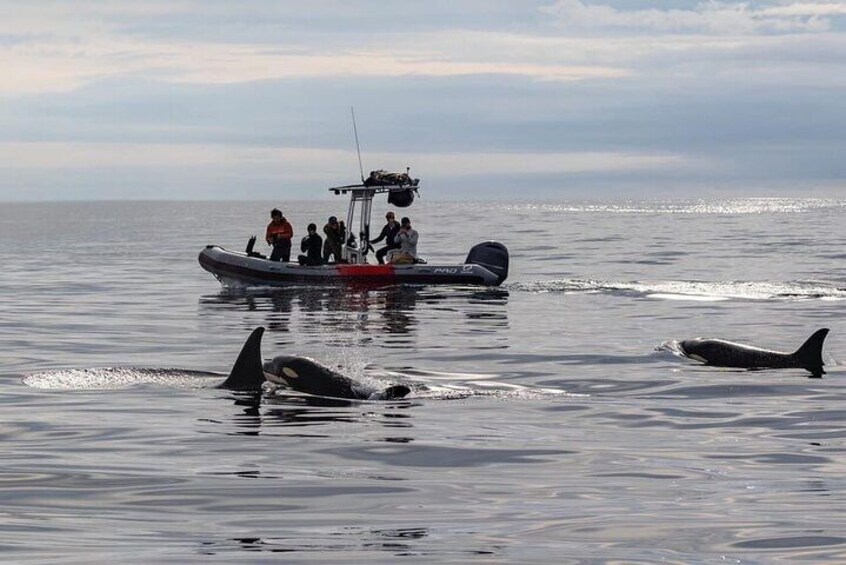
(809, 355)
(247, 372)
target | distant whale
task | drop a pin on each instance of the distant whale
(721, 353)
(301, 374)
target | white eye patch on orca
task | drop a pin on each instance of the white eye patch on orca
(290, 373)
(272, 377)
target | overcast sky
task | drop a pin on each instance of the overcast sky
(213, 99)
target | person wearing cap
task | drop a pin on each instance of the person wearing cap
(279, 234)
(406, 239)
(388, 233)
(334, 241)
(311, 245)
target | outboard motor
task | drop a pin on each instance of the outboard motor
(491, 255)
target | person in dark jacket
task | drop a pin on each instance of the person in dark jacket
(389, 234)
(334, 241)
(312, 246)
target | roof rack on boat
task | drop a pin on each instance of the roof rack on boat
(372, 189)
(381, 181)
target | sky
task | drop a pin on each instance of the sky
(554, 99)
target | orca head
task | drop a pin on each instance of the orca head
(246, 373)
(288, 370)
(694, 349)
(306, 375)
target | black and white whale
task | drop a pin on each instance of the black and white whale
(301, 374)
(721, 353)
(307, 375)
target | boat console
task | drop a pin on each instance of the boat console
(400, 188)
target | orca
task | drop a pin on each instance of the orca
(299, 373)
(307, 375)
(721, 353)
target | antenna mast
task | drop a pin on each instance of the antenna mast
(357, 147)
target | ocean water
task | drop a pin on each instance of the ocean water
(552, 426)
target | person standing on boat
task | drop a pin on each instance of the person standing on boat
(334, 241)
(312, 246)
(388, 233)
(407, 241)
(279, 234)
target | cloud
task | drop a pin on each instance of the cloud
(150, 170)
(68, 46)
(300, 161)
(61, 66)
(805, 9)
(706, 17)
(189, 94)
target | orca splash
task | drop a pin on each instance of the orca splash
(721, 353)
(300, 374)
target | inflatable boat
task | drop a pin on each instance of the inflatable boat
(486, 263)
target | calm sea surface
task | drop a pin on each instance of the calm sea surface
(554, 429)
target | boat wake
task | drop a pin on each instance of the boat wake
(690, 290)
(452, 385)
(722, 207)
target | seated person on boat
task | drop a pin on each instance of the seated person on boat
(312, 246)
(388, 233)
(407, 241)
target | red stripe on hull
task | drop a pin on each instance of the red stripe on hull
(386, 271)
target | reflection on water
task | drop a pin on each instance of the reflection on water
(398, 541)
(262, 414)
(397, 307)
(389, 315)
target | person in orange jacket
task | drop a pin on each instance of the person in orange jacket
(279, 234)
